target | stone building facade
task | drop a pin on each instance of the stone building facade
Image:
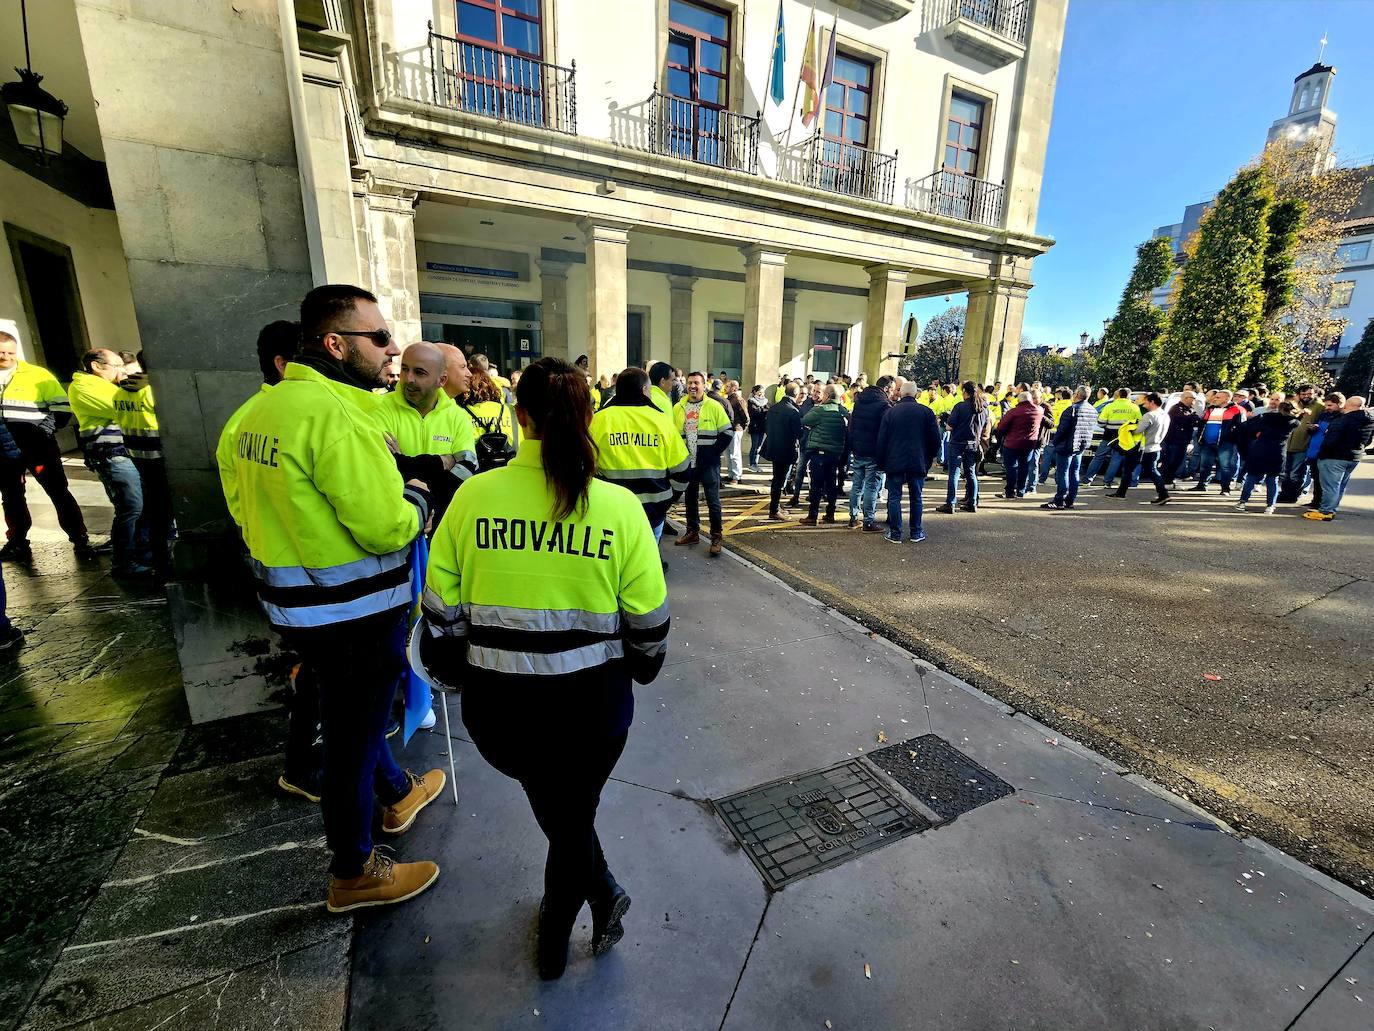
(524, 178)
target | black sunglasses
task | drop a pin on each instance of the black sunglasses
(379, 337)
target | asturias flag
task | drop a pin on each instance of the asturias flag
(776, 84)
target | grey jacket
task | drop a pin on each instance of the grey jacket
(1153, 426)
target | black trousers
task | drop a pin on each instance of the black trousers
(1149, 468)
(155, 523)
(775, 488)
(825, 483)
(562, 777)
(44, 461)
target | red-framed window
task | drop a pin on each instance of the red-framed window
(699, 53)
(510, 26)
(849, 102)
(964, 134)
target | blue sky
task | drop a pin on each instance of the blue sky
(1159, 102)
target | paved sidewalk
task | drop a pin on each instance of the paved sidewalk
(1085, 899)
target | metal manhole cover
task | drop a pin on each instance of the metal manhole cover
(801, 825)
(942, 778)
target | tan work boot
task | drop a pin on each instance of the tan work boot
(396, 819)
(715, 544)
(690, 537)
(383, 883)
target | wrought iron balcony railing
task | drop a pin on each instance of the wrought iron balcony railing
(482, 81)
(685, 129)
(1008, 18)
(956, 195)
(841, 168)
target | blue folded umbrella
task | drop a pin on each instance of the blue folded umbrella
(419, 698)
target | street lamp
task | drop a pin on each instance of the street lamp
(1083, 340)
(34, 112)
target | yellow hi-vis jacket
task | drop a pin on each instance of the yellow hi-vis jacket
(715, 429)
(224, 454)
(93, 403)
(662, 402)
(33, 397)
(136, 414)
(325, 515)
(638, 449)
(446, 430)
(510, 590)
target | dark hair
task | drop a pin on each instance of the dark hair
(482, 387)
(1335, 396)
(1305, 386)
(699, 375)
(631, 382)
(885, 381)
(659, 371)
(1288, 408)
(128, 357)
(89, 359)
(324, 306)
(280, 339)
(555, 397)
(1154, 399)
(7, 335)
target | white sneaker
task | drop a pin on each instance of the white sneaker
(1269, 509)
(428, 722)
(1239, 506)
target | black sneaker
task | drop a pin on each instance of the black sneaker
(947, 509)
(84, 550)
(1163, 499)
(1052, 505)
(17, 549)
(10, 637)
(668, 530)
(872, 528)
(1198, 487)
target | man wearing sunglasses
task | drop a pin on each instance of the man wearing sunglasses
(329, 523)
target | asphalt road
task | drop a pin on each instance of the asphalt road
(1223, 655)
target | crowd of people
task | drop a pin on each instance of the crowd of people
(414, 517)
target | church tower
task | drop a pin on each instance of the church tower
(1308, 115)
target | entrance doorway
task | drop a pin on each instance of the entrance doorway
(827, 351)
(47, 287)
(507, 332)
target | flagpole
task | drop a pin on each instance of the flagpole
(796, 97)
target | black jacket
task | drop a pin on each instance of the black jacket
(966, 424)
(758, 415)
(1075, 430)
(1266, 439)
(1348, 436)
(869, 408)
(908, 439)
(784, 432)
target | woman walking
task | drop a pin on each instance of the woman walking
(545, 600)
(1266, 453)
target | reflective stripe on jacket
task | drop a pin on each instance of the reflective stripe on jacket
(715, 428)
(636, 448)
(324, 512)
(530, 596)
(33, 397)
(93, 403)
(136, 414)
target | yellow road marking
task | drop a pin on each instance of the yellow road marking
(745, 514)
(1205, 779)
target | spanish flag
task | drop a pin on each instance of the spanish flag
(810, 98)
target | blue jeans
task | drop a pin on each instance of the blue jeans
(1066, 469)
(1335, 474)
(944, 447)
(863, 488)
(915, 485)
(1049, 459)
(1296, 472)
(1016, 462)
(1105, 453)
(358, 664)
(1271, 488)
(119, 476)
(1033, 470)
(1222, 457)
(961, 456)
(755, 445)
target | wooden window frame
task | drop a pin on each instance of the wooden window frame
(989, 101)
(698, 37)
(843, 112)
(734, 76)
(500, 11)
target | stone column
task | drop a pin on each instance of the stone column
(395, 275)
(606, 295)
(763, 276)
(1029, 132)
(553, 308)
(883, 323)
(787, 347)
(328, 156)
(992, 331)
(680, 321)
